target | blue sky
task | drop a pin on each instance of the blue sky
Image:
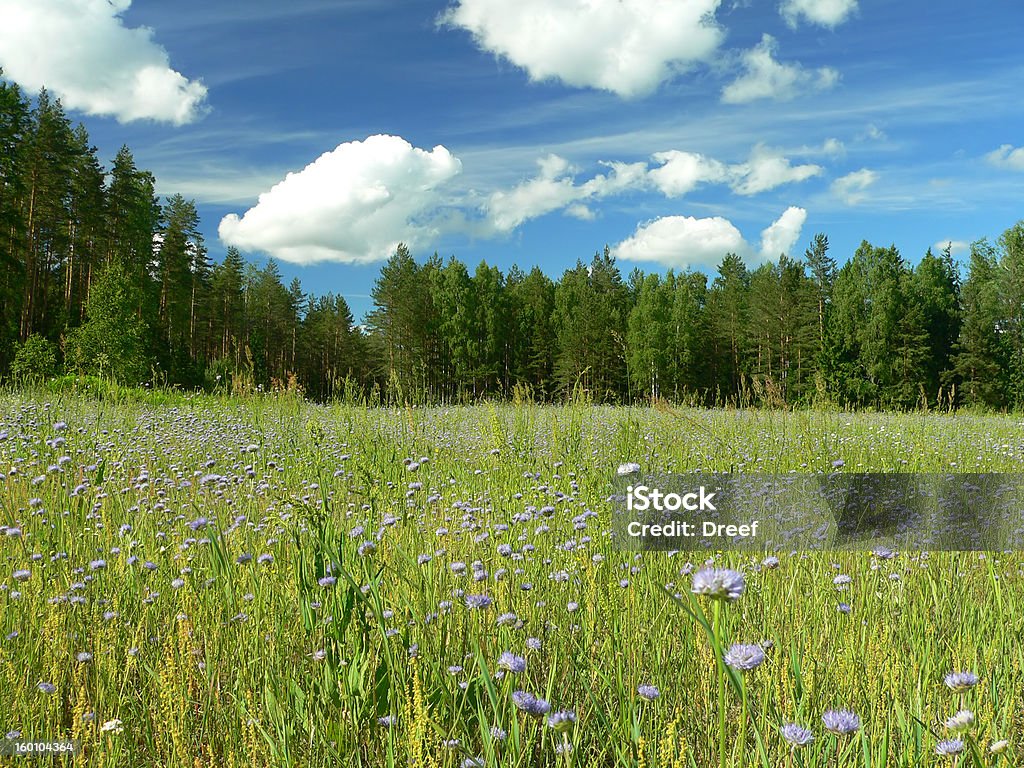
(539, 131)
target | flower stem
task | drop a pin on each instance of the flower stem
(717, 630)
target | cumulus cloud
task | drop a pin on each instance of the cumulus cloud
(555, 188)
(628, 47)
(82, 52)
(1007, 156)
(767, 169)
(825, 13)
(781, 235)
(687, 242)
(357, 202)
(675, 173)
(852, 188)
(766, 78)
(353, 204)
(682, 172)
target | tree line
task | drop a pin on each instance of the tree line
(100, 276)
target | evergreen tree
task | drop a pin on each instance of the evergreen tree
(935, 290)
(182, 271)
(14, 127)
(49, 160)
(591, 309)
(86, 222)
(533, 304)
(728, 306)
(133, 219)
(981, 359)
(1011, 321)
(783, 328)
(402, 319)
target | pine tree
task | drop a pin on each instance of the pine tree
(49, 160)
(934, 288)
(14, 127)
(728, 305)
(981, 359)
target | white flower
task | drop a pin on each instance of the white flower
(112, 726)
(961, 721)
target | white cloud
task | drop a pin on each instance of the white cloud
(353, 204)
(852, 188)
(556, 188)
(767, 169)
(682, 241)
(1007, 157)
(357, 202)
(766, 78)
(825, 13)
(687, 242)
(628, 47)
(676, 174)
(82, 52)
(682, 172)
(956, 247)
(782, 234)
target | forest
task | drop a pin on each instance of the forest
(99, 276)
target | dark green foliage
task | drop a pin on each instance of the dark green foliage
(981, 359)
(590, 315)
(934, 291)
(94, 260)
(114, 340)
(728, 309)
(35, 359)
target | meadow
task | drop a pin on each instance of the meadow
(201, 581)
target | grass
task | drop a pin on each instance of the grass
(320, 655)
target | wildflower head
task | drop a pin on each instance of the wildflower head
(961, 721)
(796, 735)
(562, 721)
(949, 747)
(718, 583)
(961, 681)
(841, 721)
(509, 661)
(744, 657)
(530, 704)
(648, 692)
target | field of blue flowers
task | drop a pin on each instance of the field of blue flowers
(210, 582)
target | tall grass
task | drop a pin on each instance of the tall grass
(278, 589)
